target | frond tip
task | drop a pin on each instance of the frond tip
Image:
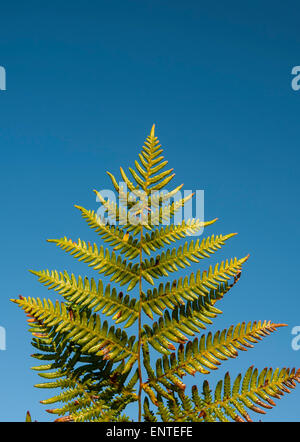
(210, 350)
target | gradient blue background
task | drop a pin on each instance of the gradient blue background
(85, 82)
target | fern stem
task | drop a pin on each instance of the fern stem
(139, 333)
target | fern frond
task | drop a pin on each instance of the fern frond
(172, 259)
(182, 410)
(111, 234)
(185, 320)
(148, 414)
(149, 175)
(190, 288)
(208, 353)
(101, 260)
(109, 404)
(253, 391)
(100, 411)
(165, 235)
(86, 331)
(90, 295)
(93, 369)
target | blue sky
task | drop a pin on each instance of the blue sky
(85, 82)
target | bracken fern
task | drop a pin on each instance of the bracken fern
(96, 366)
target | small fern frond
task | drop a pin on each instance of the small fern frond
(253, 391)
(190, 288)
(121, 240)
(208, 353)
(149, 174)
(100, 411)
(149, 416)
(183, 256)
(92, 296)
(185, 320)
(165, 235)
(101, 260)
(86, 331)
